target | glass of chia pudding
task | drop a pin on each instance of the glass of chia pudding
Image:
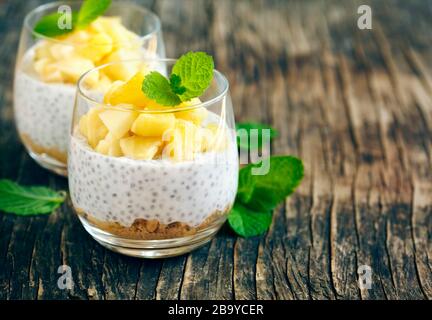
(48, 68)
(148, 180)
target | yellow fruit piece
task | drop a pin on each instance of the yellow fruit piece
(73, 67)
(102, 147)
(42, 50)
(127, 92)
(197, 115)
(96, 130)
(153, 125)
(111, 91)
(118, 122)
(83, 125)
(51, 74)
(184, 141)
(96, 48)
(140, 148)
(40, 65)
(123, 70)
(104, 83)
(130, 93)
(60, 51)
(76, 37)
(47, 71)
(120, 35)
(109, 146)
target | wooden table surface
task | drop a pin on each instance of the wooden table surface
(355, 105)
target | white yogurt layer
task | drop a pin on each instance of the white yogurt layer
(43, 111)
(119, 189)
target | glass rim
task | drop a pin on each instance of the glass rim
(51, 5)
(168, 109)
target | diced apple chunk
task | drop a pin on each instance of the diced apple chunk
(103, 147)
(118, 122)
(96, 129)
(96, 48)
(109, 146)
(184, 141)
(130, 92)
(121, 71)
(197, 116)
(140, 148)
(73, 68)
(83, 125)
(153, 125)
(60, 51)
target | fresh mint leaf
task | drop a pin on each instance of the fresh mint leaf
(175, 82)
(190, 77)
(90, 10)
(25, 201)
(48, 25)
(156, 87)
(257, 196)
(265, 192)
(248, 223)
(195, 70)
(252, 144)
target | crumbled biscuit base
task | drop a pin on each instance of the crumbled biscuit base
(52, 152)
(142, 229)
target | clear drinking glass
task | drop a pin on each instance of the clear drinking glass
(165, 205)
(47, 70)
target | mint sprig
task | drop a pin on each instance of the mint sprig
(259, 195)
(23, 200)
(89, 11)
(190, 77)
(48, 25)
(252, 144)
(158, 88)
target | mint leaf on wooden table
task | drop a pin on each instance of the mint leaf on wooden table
(260, 194)
(31, 200)
(246, 222)
(265, 192)
(90, 10)
(190, 77)
(252, 144)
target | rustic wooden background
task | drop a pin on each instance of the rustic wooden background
(356, 105)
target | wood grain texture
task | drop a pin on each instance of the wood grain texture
(355, 105)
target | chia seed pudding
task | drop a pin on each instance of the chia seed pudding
(43, 113)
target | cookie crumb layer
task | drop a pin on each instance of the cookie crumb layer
(142, 229)
(38, 149)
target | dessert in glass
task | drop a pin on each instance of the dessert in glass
(148, 180)
(48, 68)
